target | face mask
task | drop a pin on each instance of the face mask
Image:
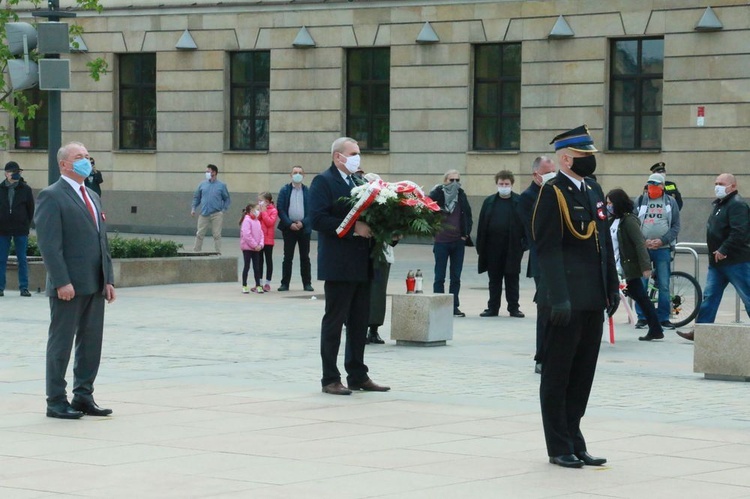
(351, 163)
(585, 166)
(721, 191)
(82, 167)
(256, 213)
(655, 191)
(504, 191)
(547, 177)
(297, 178)
(15, 176)
(610, 209)
(208, 175)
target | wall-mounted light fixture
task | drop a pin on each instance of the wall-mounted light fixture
(427, 34)
(303, 39)
(561, 29)
(709, 21)
(186, 42)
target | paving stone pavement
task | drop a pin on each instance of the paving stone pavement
(217, 394)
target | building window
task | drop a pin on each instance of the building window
(250, 82)
(137, 101)
(635, 100)
(368, 97)
(34, 134)
(497, 97)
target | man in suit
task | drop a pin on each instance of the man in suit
(578, 282)
(345, 266)
(293, 204)
(542, 169)
(72, 237)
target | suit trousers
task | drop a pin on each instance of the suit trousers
(346, 302)
(570, 356)
(542, 323)
(81, 320)
(292, 238)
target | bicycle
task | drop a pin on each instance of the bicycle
(685, 296)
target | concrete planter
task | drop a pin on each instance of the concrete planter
(131, 272)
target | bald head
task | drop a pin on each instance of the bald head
(728, 181)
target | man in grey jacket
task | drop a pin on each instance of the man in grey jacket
(72, 237)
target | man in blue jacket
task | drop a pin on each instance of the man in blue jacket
(292, 204)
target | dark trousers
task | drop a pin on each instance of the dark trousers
(453, 251)
(266, 255)
(570, 356)
(346, 302)
(497, 274)
(638, 293)
(292, 238)
(253, 257)
(542, 323)
(81, 320)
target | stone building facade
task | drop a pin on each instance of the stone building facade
(637, 72)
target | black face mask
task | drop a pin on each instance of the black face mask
(584, 166)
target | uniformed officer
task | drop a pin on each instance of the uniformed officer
(578, 282)
(669, 187)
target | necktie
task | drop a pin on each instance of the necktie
(350, 181)
(88, 204)
(583, 187)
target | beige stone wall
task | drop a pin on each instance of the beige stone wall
(564, 84)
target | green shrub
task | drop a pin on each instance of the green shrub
(125, 248)
(31, 250)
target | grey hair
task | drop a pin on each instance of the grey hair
(450, 172)
(338, 144)
(538, 161)
(63, 153)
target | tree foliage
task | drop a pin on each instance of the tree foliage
(15, 103)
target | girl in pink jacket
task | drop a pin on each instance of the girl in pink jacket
(268, 217)
(251, 244)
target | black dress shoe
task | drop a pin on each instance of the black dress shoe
(283, 287)
(90, 408)
(567, 461)
(488, 313)
(458, 313)
(651, 336)
(336, 388)
(590, 460)
(517, 313)
(309, 288)
(374, 337)
(368, 386)
(63, 411)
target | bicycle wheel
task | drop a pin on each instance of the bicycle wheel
(685, 297)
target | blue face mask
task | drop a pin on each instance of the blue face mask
(610, 209)
(82, 167)
(15, 176)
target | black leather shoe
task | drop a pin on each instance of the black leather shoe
(309, 288)
(567, 461)
(368, 386)
(374, 337)
(25, 292)
(651, 336)
(63, 410)
(336, 388)
(590, 460)
(458, 313)
(488, 313)
(283, 287)
(90, 408)
(517, 313)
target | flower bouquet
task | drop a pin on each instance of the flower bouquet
(392, 210)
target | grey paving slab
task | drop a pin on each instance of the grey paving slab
(217, 394)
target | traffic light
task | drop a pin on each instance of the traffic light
(22, 39)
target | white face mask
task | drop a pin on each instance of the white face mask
(208, 175)
(721, 191)
(297, 178)
(547, 177)
(504, 191)
(352, 163)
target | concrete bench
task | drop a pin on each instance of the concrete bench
(722, 351)
(422, 320)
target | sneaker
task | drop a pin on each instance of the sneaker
(25, 292)
(641, 324)
(266, 288)
(259, 290)
(667, 325)
(458, 313)
(245, 290)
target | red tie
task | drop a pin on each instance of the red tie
(88, 204)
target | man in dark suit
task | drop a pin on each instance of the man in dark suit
(345, 266)
(293, 205)
(578, 282)
(72, 237)
(542, 169)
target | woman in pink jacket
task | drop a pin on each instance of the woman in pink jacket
(251, 244)
(268, 218)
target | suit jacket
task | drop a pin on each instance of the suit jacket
(516, 243)
(282, 205)
(572, 269)
(526, 202)
(339, 259)
(73, 250)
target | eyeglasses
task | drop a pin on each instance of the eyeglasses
(454, 180)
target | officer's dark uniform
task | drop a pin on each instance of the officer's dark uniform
(669, 187)
(577, 270)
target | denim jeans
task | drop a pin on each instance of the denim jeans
(454, 252)
(661, 258)
(21, 243)
(716, 282)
